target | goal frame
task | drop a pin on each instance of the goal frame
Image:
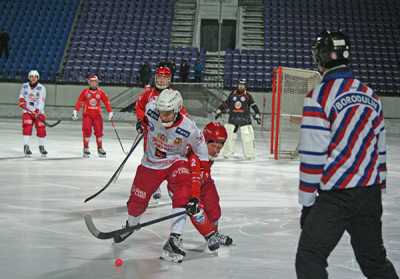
(278, 90)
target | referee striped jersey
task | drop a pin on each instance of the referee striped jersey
(342, 141)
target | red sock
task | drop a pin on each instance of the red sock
(99, 141)
(203, 225)
(85, 142)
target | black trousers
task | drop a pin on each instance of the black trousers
(357, 211)
(4, 49)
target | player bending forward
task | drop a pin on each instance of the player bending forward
(204, 204)
(168, 133)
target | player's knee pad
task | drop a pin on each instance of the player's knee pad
(138, 201)
(136, 206)
(98, 132)
(247, 133)
(86, 131)
(202, 223)
(230, 128)
(98, 126)
(27, 124)
(41, 131)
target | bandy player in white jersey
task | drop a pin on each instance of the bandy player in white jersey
(168, 136)
(32, 99)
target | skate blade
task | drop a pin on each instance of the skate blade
(171, 257)
(28, 155)
(86, 156)
(44, 155)
(102, 156)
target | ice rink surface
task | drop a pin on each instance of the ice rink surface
(43, 234)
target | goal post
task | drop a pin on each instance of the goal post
(289, 87)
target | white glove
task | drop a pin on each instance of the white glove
(110, 116)
(74, 115)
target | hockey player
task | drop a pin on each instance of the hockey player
(169, 133)
(238, 104)
(342, 167)
(32, 100)
(90, 99)
(203, 186)
(162, 80)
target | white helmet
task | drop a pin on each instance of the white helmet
(169, 100)
(33, 73)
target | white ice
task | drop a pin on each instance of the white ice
(43, 234)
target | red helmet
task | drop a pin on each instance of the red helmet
(163, 70)
(163, 77)
(215, 132)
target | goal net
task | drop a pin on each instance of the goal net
(289, 87)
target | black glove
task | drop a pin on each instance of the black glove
(304, 213)
(257, 118)
(218, 114)
(192, 207)
(139, 127)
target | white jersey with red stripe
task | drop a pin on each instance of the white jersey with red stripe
(164, 146)
(34, 97)
(342, 141)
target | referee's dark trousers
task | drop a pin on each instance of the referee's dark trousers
(357, 211)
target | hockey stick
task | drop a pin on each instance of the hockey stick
(117, 233)
(44, 122)
(117, 171)
(119, 139)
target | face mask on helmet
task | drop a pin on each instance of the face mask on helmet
(33, 77)
(168, 104)
(215, 136)
(331, 49)
(93, 81)
(162, 77)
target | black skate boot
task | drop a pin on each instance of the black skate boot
(224, 239)
(42, 151)
(86, 153)
(27, 151)
(213, 241)
(157, 194)
(173, 249)
(101, 152)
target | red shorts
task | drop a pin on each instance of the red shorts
(210, 200)
(28, 120)
(94, 120)
(147, 181)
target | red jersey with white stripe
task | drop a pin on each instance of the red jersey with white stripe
(342, 141)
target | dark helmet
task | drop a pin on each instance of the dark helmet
(331, 49)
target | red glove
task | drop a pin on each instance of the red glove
(21, 103)
(41, 117)
(36, 113)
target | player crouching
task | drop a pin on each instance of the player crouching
(205, 202)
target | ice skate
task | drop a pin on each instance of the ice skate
(173, 249)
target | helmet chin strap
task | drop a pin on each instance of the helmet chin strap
(167, 124)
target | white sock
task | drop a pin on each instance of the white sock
(26, 140)
(178, 223)
(42, 141)
(133, 221)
